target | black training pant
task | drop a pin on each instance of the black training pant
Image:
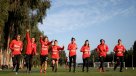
(85, 63)
(16, 62)
(72, 59)
(29, 62)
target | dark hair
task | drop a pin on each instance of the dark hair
(73, 39)
(119, 40)
(16, 36)
(55, 41)
(102, 40)
(85, 42)
(45, 37)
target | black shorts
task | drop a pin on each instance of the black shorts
(43, 58)
(55, 59)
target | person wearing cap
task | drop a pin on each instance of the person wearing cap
(119, 50)
(102, 49)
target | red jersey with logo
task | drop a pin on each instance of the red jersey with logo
(30, 47)
(86, 51)
(16, 47)
(102, 49)
(72, 47)
(55, 51)
(44, 46)
(119, 50)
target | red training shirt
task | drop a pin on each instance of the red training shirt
(119, 50)
(44, 46)
(30, 47)
(102, 49)
(16, 47)
(55, 51)
(86, 51)
(72, 49)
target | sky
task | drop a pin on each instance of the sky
(93, 20)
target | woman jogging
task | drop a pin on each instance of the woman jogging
(55, 55)
(86, 55)
(30, 51)
(119, 50)
(16, 46)
(102, 49)
(44, 52)
(72, 47)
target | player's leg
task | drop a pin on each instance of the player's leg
(30, 63)
(100, 67)
(121, 65)
(17, 62)
(70, 62)
(53, 64)
(87, 64)
(103, 58)
(56, 65)
(42, 62)
(14, 62)
(117, 62)
(27, 63)
(83, 65)
(45, 63)
(74, 61)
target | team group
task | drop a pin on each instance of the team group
(16, 46)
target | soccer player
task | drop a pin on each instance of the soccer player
(102, 49)
(55, 55)
(30, 51)
(86, 55)
(16, 46)
(119, 50)
(72, 47)
(44, 52)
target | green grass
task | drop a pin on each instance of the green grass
(64, 72)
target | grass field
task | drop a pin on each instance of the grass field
(64, 72)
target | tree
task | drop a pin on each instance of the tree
(128, 57)
(93, 58)
(18, 15)
(134, 53)
(23, 14)
(3, 18)
(62, 57)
